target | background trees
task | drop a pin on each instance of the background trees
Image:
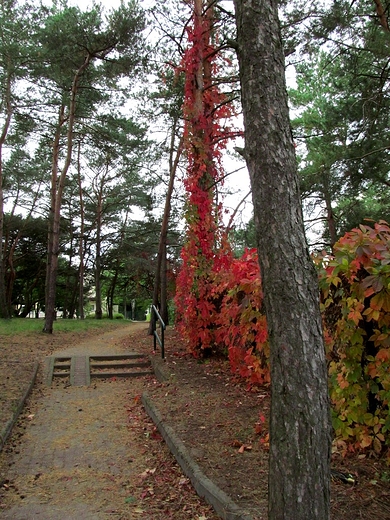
(57, 105)
(15, 55)
(341, 102)
(85, 39)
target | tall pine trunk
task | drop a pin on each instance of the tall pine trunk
(57, 187)
(160, 279)
(98, 264)
(81, 239)
(300, 431)
(4, 308)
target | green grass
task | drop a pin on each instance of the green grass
(31, 325)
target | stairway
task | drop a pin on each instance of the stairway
(79, 370)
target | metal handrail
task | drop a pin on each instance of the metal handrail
(155, 333)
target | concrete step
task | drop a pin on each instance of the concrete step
(79, 369)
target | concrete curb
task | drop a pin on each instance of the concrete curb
(218, 499)
(160, 369)
(6, 431)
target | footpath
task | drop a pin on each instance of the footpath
(85, 449)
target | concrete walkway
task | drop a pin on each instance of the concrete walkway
(82, 452)
(77, 458)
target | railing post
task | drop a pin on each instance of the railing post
(155, 335)
(162, 341)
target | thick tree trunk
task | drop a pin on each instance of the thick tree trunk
(48, 327)
(164, 288)
(98, 264)
(81, 239)
(300, 431)
(98, 267)
(111, 292)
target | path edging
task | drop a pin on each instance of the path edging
(6, 431)
(218, 499)
(160, 369)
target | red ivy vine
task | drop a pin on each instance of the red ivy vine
(206, 250)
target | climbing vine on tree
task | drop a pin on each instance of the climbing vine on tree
(240, 324)
(206, 250)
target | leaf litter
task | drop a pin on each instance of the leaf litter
(223, 426)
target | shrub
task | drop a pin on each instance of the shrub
(355, 303)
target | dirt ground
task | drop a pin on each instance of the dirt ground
(212, 413)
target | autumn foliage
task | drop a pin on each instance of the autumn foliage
(219, 297)
(206, 252)
(355, 300)
(240, 324)
(355, 303)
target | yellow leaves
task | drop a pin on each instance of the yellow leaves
(334, 280)
(347, 432)
(381, 301)
(365, 441)
(376, 444)
(371, 314)
(328, 302)
(356, 307)
(370, 419)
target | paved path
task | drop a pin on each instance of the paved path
(77, 460)
(86, 453)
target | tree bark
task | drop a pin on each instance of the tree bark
(330, 219)
(81, 239)
(4, 309)
(53, 190)
(300, 430)
(382, 16)
(57, 193)
(98, 267)
(159, 288)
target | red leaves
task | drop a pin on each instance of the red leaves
(228, 317)
(206, 248)
(218, 299)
